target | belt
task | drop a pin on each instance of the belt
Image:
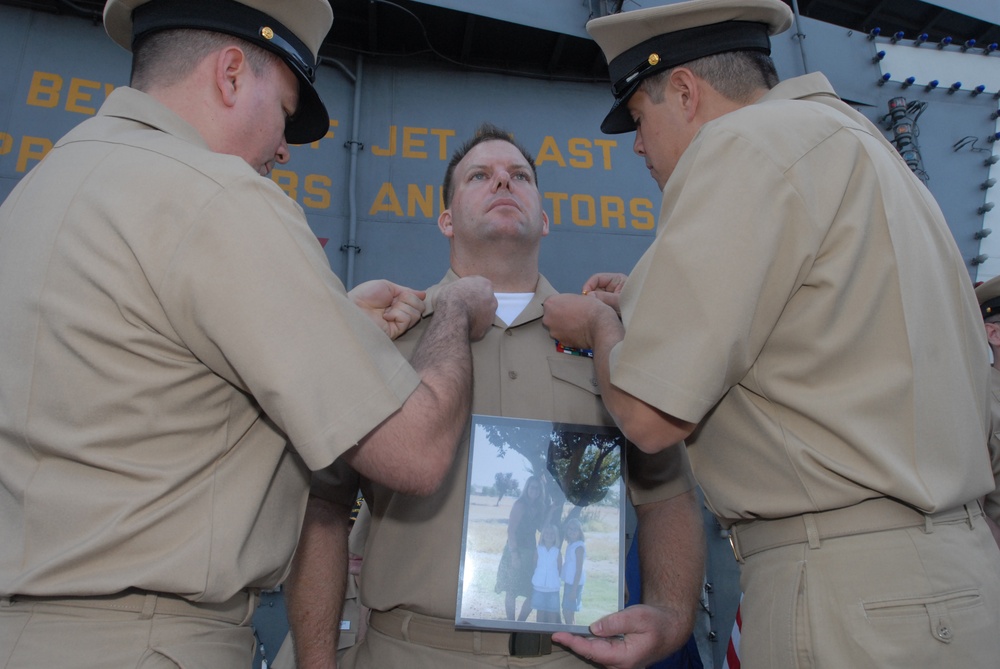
(237, 610)
(441, 634)
(872, 515)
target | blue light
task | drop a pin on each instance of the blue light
(968, 44)
(955, 87)
(931, 85)
(921, 38)
(909, 81)
(884, 78)
(898, 36)
(878, 56)
(874, 32)
(943, 43)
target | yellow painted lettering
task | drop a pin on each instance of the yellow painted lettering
(287, 181)
(6, 143)
(318, 185)
(580, 148)
(612, 209)
(586, 218)
(32, 148)
(642, 211)
(44, 90)
(556, 199)
(76, 95)
(442, 135)
(549, 151)
(413, 140)
(329, 134)
(606, 145)
(422, 199)
(386, 201)
(391, 151)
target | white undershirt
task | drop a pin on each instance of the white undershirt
(510, 305)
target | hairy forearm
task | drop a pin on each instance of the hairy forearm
(412, 450)
(672, 555)
(314, 591)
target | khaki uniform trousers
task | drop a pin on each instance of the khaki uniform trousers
(434, 643)
(145, 631)
(927, 595)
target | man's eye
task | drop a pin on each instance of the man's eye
(522, 176)
(476, 176)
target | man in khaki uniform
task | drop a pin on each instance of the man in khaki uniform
(804, 319)
(988, 294)
(495, 223)
(177, 354)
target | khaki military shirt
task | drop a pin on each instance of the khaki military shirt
(414, 545)
(805, 303)
(169, 324)
(992, 505)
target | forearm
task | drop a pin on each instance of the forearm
(672, 556)
(413, 449)
(650, 429)
(314, 590)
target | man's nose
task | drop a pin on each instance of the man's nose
(637, 145)
(502, 179)
(282, 155)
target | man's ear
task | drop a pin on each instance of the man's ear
(545, 223)
(444, 224)
(230, 67)
(683, 83)
(993, 333)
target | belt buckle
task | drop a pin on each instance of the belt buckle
(529, 644)
(735, 544)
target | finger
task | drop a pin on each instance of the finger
(595, 282)
(597, 650)
(405, 316)
(410, 299)
(610, 299)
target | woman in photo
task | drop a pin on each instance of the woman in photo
(517, 564)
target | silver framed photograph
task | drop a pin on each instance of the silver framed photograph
(543, 541)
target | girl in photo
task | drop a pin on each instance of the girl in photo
(545, 580)
(572, 570)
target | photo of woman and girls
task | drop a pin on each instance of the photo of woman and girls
(546, 574)
(539, 571)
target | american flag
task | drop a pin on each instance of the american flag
(732, 660)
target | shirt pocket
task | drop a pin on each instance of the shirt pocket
(576, 397)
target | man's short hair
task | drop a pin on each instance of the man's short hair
(487, 132)
(165, 57)
(736, 75)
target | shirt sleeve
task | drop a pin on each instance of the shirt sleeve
(251, 293)
(735, 241)
(654, 477)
